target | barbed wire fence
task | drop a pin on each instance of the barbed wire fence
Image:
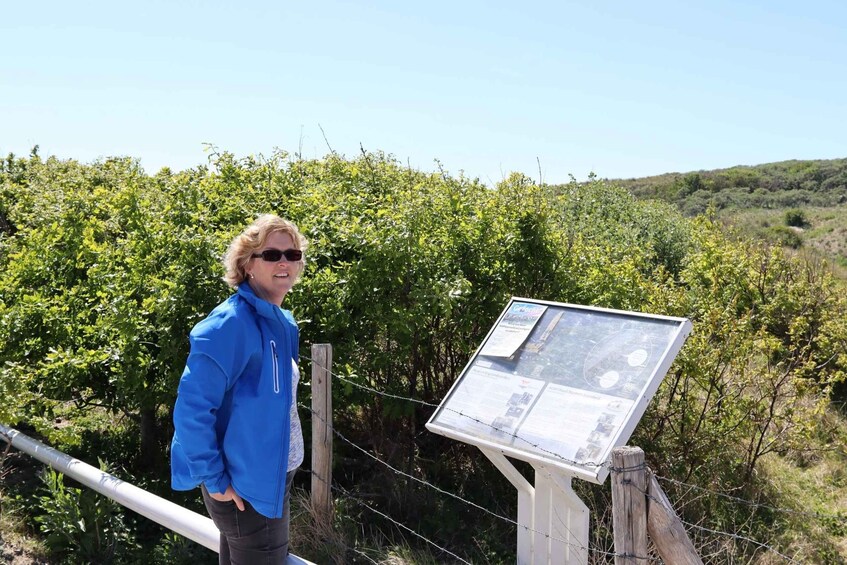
(597, 554)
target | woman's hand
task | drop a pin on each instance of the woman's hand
(228, 495)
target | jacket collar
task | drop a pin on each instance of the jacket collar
(262, 307)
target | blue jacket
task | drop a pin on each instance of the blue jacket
(232, 412)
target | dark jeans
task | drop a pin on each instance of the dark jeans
(247, 537)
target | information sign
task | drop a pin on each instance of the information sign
(560, 384)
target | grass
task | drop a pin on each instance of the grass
(815, 489)
(825, 235)
(18, 544)
(345, 540)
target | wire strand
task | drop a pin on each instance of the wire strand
(536, 446)
(557, 456)
(735, 536)
(742, 538)
(349, 495)
(839, 517)
(465, 501)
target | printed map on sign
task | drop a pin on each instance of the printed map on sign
(561, 383)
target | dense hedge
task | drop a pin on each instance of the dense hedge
(104, 269)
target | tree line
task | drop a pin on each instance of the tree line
(784, 184)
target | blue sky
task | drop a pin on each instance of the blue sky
(621, 89)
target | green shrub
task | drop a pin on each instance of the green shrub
(785, 237)
(796, 217)
(174, 549)
(80, 525)
(107, 269)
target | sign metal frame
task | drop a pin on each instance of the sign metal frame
(675, 331)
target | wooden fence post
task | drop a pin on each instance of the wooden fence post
(629, 505)
(667, 531)
(322, 433)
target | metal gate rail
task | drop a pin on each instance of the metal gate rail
(190, 524)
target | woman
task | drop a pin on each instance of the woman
(237, 433)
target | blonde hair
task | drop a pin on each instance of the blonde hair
(253, 238)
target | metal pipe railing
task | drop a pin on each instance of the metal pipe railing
(194, 526)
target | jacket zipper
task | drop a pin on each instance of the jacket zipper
(282, 463)
(275, 366)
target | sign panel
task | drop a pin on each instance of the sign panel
(560, 384)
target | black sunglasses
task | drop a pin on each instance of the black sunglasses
(275, 255)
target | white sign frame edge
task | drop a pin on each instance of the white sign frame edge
(599, 473)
